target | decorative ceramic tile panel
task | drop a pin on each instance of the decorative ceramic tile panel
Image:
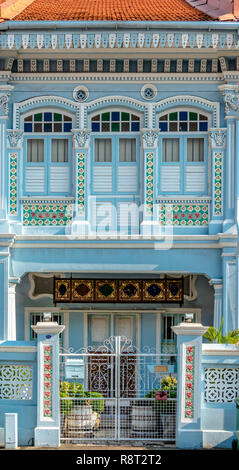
(189, 214)
(149, 182)
(218, 183)
(47, 214)
(221, 385)
(189, 382)
(81, 183)
(13, 183)
(47, 381)
(16, 382)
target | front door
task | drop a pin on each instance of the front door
(101, 366)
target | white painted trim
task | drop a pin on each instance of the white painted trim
(136, 246)
(19, 349)
(220, 350)
(40, 101)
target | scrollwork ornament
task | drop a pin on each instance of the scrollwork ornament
(4, 102)
(230, 100)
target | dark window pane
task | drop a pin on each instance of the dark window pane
(105, 117)
(38, 117)
(193, 126)
(163, 126)
(125, 127)
(96, 118)
(125, 116)
(67, 126)
(134, 126)
(38, 127)
(57, 117)
(173, 126)
(173, 116)
(67, 118)
(105, 127)
(164, 117)
(183, 126)
(58, 127)
(95, 126)
(134, 118)
(48, 127)
(27, 127)
(28, 118)
(202, 117)
(115, 126)
(48, 117)
(193, 116)
(183, 116)
(115, 116)
(203, 126)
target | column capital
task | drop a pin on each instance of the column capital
(218, 137)
(81, 137)
(14, 137)
(149, 137)
(192, 329)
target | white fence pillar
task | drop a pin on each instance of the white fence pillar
(189, 338)
(47, 432)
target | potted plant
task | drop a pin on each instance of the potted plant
(165, 406)
(214, 335)
(80, 409)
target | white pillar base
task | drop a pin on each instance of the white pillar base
(47, 437)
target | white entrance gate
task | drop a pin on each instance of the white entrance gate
(116, 392)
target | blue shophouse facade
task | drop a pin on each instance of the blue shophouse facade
(119, 161)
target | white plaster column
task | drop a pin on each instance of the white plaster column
(47, 432)
(217, 285)
(12, 312)
(188, 425)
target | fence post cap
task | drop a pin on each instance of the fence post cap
(44, 328)
(196, 329)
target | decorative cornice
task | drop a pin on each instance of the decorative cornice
(118, 40)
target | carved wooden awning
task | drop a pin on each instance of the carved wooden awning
(118, 290)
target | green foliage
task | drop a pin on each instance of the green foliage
(76, 390)
(215, 335)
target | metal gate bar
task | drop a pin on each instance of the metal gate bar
(117, 393)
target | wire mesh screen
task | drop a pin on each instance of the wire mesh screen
(118, 394)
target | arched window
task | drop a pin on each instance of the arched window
(115, 157)
(47, 153)
(183, 152)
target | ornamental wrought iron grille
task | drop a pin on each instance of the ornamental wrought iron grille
(116, 392)
(118, 290)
